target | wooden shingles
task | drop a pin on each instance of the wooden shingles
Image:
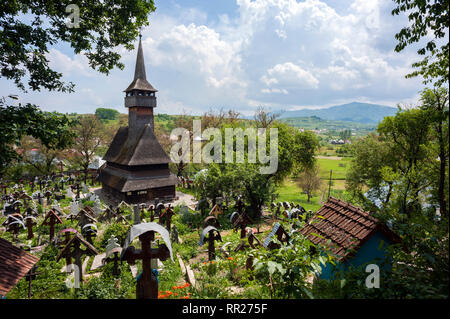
(343, 227)
(15, 263)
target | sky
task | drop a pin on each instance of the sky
(205, 55)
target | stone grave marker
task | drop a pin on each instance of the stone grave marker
(137, 216)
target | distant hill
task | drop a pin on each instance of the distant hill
(353, 112)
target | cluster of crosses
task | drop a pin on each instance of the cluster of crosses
(75, 244)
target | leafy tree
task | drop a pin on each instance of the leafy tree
(263, 118)
(285, 270)
(52, 129)
(103, 26)
(87, 141)
(105, 114)
(310, 181)
(435, 103)
(44, 162)
(426, 16)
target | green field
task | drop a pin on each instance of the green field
(291, 192)
(339, 168)
(316, 123)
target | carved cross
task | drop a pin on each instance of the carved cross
(30, 223)
(166, 217)
(73, 250)
(147, 284)
(213, 235)
(51, 220)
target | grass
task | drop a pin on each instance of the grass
(289, 191)
(339, 168)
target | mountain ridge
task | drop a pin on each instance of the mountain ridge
(351, 112)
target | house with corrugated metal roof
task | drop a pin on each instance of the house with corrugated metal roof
(349, 233)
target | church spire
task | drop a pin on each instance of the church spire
(139, 71)
(140, 80)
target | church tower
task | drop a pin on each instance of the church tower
(137, 167)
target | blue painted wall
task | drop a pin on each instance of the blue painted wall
(373, 251)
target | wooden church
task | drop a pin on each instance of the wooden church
(137, 167)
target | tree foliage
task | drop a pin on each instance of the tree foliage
(105, 114)
(52, 129)
(103, 26)
(426, 16)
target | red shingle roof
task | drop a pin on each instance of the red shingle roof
(14, 264)
(346, 227)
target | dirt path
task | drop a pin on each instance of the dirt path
(337, 158)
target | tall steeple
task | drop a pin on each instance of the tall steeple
(139, 71)
(137, 167)
(140, 98)
(140, 79)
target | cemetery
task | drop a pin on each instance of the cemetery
(83, 248)
(105, 206)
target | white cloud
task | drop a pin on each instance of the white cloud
(276, 53)
(289, 75)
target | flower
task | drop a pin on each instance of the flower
(230, 258)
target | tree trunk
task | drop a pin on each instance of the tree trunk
(441, 190)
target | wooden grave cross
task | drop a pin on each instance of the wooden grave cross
(166, 217)
(147, 283)
(89, 231)
(213, 235)
(30, 222)
(66, 240)
(30, 276)
(211, 221)
(216, 211)
(14, 223)
(113, 251)
(51, 219)
(73, 250)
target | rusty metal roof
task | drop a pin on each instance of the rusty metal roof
(145, 150)
(347, 227)
(14, 265)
